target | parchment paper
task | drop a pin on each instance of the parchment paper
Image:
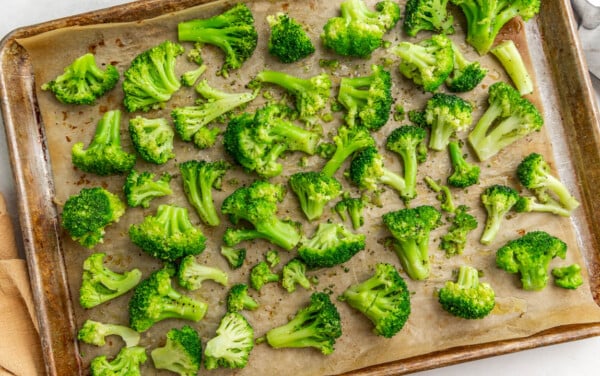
(518, 313)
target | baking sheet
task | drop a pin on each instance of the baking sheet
(519, 314)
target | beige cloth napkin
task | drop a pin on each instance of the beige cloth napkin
(20, 352)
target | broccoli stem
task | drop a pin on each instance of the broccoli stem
(410, 173)
(414, 257)
(280, 233)
(286, 81)
(233, 237)
(333, 164)
(534, 277)
(441, 132)
(468, 277)
(560, 190)
(417, 55)
(484, 146)
(393, 180)
(289, 335)
(296, 138)
(108, 130)
(510, 58)
(492, 226)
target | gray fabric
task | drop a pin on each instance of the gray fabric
(588, 15)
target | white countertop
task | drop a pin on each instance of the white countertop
(574, 358)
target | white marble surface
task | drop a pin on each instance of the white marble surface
(574, 358)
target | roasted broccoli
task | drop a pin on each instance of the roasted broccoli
(467, 298)
(181, 354)
(351, 207)
(446, 114)
(238, 299)
(86, 215)
(95, 333)
(150, 80)
(288, 40)
(83, 81)
(462, 223)
(464, 174)
(232, 31)
(429, 15)
(234, 256)
(191, 274)
(314, 190)
(141, 188)
(568, 277)
(465, 75)
(127, 362)
(232, 345)
(190, 77)
(410, 229)
(508, 118)
(104, 155)
(383, 297)
(444, 195)
(261, 274)
(407, 141)
(510, 58)
(168, 235)
(272, 258)
(347, 142)
(530, 256)
(294, 273)
(331, 244)
(497, 200)
(152, 139)
(528, 204)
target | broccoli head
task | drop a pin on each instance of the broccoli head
(446, 114)
(465, 75)
(141, 188)
(95, 333)
(348, 141)
(261, 274)
(294, 273)
(152, 139)
(407, 141)
(182, 352)
(238, 299)
(510, 58)
(314, 190)
(191, 274)
(127, 362)
(461, 224)
(568, 277)
(190, 77)
(272, 258)
(467, 298)
(351, 207)
(288, 40)
(497, 200)
(464, 174)
(429, 15)
(234, 256)
(232, 345)
(331, 244)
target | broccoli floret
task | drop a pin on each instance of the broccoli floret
(407, 141)
(191, 274)
(104, 155)
(353, 207)
(497, 200)
(317, 325)
(359, 31)
(127, 362)
(461, 224)
(444, 196)
(155, 299)
(528, 204)
(150, 80)
(141, 188)
(530, 256)
(429, 15)
(190, 77)
(182, 352)
(86, 215)
(194, 55)
(384, 298)
(427, 63)
(288, 40)
(232, 345)
(465, 75)
(314, 190)
(234, 256)
(464, 174)
(261, 274)
(417, 118)
(99, 284)
(199, 178)
(568, 277)
(232, 31)
(508, 118)
(191, 121)
(347, 142)
(272, 258)
(535, 174)
(510, 58)
(83, 81)
(331, 244)
(467, 298)
(95, 333)
(293, 273)
(238, 299)
(485, 19)
(152, 139)
(367, 99)
(410, 229)
(257, 204)
(446, 114)
(168, 235)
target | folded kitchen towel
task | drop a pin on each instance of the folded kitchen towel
(588, 13)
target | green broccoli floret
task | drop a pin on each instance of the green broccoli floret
(168, 235)
(347, 142)
(446, 114)
(528, 204)
(190, 77)
(467, 298)
(568, 277)
(86, 215)
(293, 273)
(199, 179)
(150, 80)
(257, 204)
(141, 188)
(367, 99)
(127, 362)
(194, 55)
(155, 299)
(95, 333)
(465, 75)
(464, 174)
(461, 224)
(427, 63)
(351, 207)
(317, 325)
(191, 274)
(429, 15)
(384, 298)
(232, 31)
(530, 256)
(99, 284)
(261, 274)
(314, 190)
(444, 196)
(407, 141)
(191, 121)
(508, 118)
(497, 200)
(83, 81)
(331, 244)
(272, 258)
(182, 352)
(288, 40)
(417, 118)
(410, 229)
(104, 155)
(232, 345)
(510, 58)
(234, 256)
(485, 19)
(359, 31)
(238, 299)
(535, 174)
(152, 139)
